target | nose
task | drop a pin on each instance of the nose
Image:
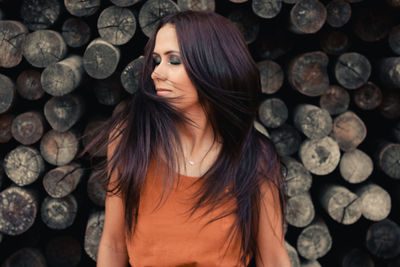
(158, 73)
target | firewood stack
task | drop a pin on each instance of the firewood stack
(330, 75)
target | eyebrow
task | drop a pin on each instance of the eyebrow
(168, 52)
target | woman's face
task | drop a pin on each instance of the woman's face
(169, 76)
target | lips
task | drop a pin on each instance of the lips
(162, 91)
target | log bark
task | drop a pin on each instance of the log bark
(355, 166)
(27, 256)
(27, 128)
(152, 11)
(100, 59)
(39, 15)
(389, 160)
(297, 179)
(18, 210)
(338, 13)
(286, 139)
(394, 39)
(61, 181)
(13, 34)
(94, 229)
(390, 106)
(352, 70)
(116, 25)
(59, 148)
(273, 112)
(246, 22)
(76, 32)
(357, 258)
(375, 202)
(108, 91)
(92, 129)
(96, 188)
(348, 131)
(314, 241)
(266, 9)
(271, 76)
(205, 5)
(63, 251)
(80, 8)
(62, 77)
(62, 112)
(59, 213)
(389, 71)
(312, 121)
(383, 239)
(23, 165)
(368, 97)
(300, 210)
(335, 100)
(28, 85)
(124, 3)
(7, 93)
(320, 156)
(308, 263)
(307, 73)
(334, 42)
(5, 127)
(307, 16)
(130, 76)
(44, 47)
(341, 204)
(293, 256)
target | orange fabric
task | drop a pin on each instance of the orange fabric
(167, 236)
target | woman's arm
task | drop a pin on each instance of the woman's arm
(271, 242)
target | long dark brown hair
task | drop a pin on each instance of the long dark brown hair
(227, 80)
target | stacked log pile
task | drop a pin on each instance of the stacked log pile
(330, 74)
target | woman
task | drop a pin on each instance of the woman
(191, 183)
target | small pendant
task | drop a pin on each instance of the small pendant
(191, 162)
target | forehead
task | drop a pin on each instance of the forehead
(166, 39)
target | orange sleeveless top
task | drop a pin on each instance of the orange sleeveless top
(167, 236)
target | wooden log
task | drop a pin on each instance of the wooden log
(28, 85)
(341, 204)
(59, 213)
(338, 13)
(63, 251)
(96, 188)
(375, 202)
(18, 210)
(93, 129)
(59, 148)
(271, 76)
(62, 112)
(62, 77)
(312, 121)
(246, 22)
(28, 127)
(80, 8)
(335, 100)
(7, 93)
(368, 97)
(5, 127)
(289, 1)
(394, 39)
(130, 76)
(307, 16)
(94, 229)
(348, 131)
(13, 35)
(124, 3)
(26, 256)
(393, 3)
(293, 256)
(307, 73)
(314, 241)
(44, 47)
(390, 106)
(389, 71)
(355, 166)
(152, 11)
(76, 32)
(273, 112)
(300, 210)
(116, 25)
(389, 159)
(108, 91)
(39, 15)
(259, 127)
(205, 5)
(23, 165)
(298, 179)
(352, 70)
(334, 42)
(308, 263)
(383, 239)
(266, 9)
(357, 258)
(286, 139)
(100, 59)
(320, 156)
(61, 181)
